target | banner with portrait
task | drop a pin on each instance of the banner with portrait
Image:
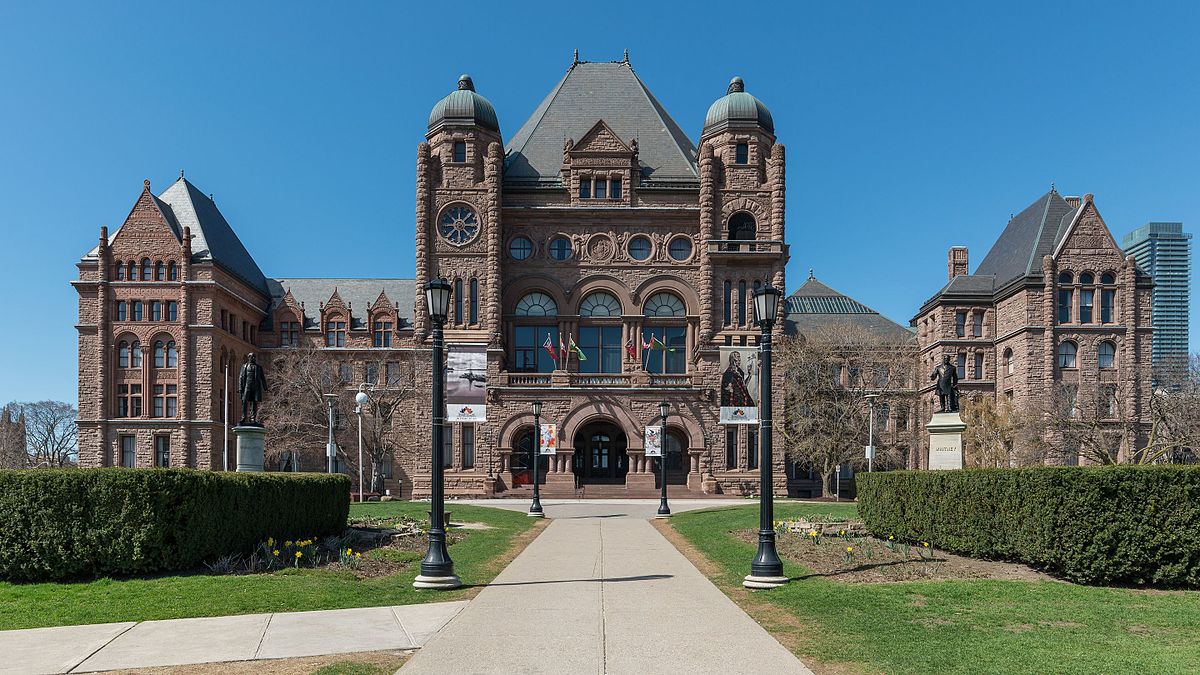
(653, 442)
(466, 383)
(739, 385)
(548, 439)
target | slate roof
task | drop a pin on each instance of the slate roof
(815, 305)
(1029, 236)
(359, 294)
(588, 93)
(184, 205)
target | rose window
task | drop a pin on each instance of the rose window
(459, 225)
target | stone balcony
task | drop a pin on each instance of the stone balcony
(564, 379)
(746, 251)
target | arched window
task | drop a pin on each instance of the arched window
(1087, 278)
(1009, 365)
(172, 271)
(728, 310)
(536, 304)
(1066, 278)
(600, 304)
(1108, 298)
(135, 355)
(172, 355)
(673, 447)
(1106, 355)
(147, 269)
(160, 271)
(1087, 297)
(474, 318)
(458, 301)
(741, 228)
(1067, 352)
(664, 304)
(742, 303)
(120, 271)
(122, 354)
(160, 354)
(1108, 278)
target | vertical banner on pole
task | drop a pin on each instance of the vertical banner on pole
(548, 439)
(739, 385)
(653, 442)
(466, 383)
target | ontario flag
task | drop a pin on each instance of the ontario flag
(631, 349)
(655, 343)
(548, 345)
(575, 348)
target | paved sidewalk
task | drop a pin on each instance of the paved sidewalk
(601, 591)
(112, 646)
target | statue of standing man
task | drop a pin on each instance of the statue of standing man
(252, 384)
(946, 377)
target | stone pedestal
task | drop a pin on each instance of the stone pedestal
(250, 448)
(945, 441)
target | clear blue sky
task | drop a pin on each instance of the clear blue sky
(910, 126)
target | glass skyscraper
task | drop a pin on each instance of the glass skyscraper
(1164, 251)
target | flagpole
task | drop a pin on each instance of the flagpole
(225, 422)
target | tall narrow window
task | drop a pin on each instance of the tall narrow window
(136, 306)
(160, 354)
(123, 354)
(372, 373)
(1009, 366)
(960, 323)
(128, 451)
(458, 301)
(468, 446)
(615, 191)
(585, 187)
(135, 355)
(122, 400)
(474, 316)
(602, 346)
(383, 333)
(122, 311)
(172, 355)
(158, 403)
(172, 400)
(1066, 355)
(1106, 355)
(961, 365)
(1065, 297)
(447, 445)
(289, 333)
(160, 271)
(120, 269)
(728, 302)
(1108, 301)
(741, 154)
(460, 151)
(224, 320)
(979, 365)
(162, 451)
(335, 334)
(977, 324)
(172, 310)
(172, 271)
(393, 374)
(147, 269)
(731, 448)
(135, 400)
(345, 373)
(601, 191)
(1085, 305)
(155, 310)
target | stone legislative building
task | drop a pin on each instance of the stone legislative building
(598, 223)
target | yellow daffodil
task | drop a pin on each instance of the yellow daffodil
(890, 537)
(270, 541)
(287, 544)
(357, 555)
(298, 554)
(926, 544)
(276, 552)
(849, 549)
(349, 551)
(812, 533)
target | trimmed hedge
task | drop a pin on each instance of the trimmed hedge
(1092, 525)
(71, 523)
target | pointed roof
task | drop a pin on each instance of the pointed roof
(588, 93)
(184, 205)
(358, 293)
(1028, 237)
(815, 305)
(212, 237)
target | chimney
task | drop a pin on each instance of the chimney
(1073, 202)
(956, 261)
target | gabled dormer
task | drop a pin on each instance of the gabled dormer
(335, 320)
(600, 168)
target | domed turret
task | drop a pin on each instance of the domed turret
(737, 109)
(464, 106)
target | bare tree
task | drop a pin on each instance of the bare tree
(827, 374)
(13, 453)
(50, 432)
(1000, 433)
(385, 414)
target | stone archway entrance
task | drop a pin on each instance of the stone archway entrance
(600, 456)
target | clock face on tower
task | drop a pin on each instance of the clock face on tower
(459, 225)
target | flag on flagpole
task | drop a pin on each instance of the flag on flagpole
(631, 349)
(655, 343)
(646, 344)
(562, 348)
(549, 347)
(575, 348)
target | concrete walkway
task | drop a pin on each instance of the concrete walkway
(601, 591)
(113, 646)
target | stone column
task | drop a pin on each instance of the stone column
(249, 448)
(945, 441)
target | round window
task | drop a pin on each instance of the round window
(560, 248)
(458, 225)
(520, 248)
(639, 248)
(680, 248)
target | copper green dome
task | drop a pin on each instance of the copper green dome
(464, 106)
(737, 109)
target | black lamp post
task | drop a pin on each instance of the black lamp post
(535, 461)
(437, 569)
(664, 511)
(766, 571)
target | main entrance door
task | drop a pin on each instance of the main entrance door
(600, 454)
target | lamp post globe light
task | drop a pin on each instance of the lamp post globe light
(535, 461)
(360, 400)
(437, 569)
(766, 570)
(331, 445)
(664, 511)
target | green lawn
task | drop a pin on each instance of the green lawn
(192, 595)
(956, 626)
